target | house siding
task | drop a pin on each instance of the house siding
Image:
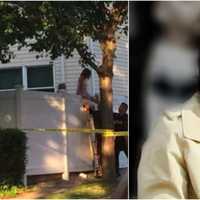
(72, 71)
(68, 70)
(24, 57)
(120, 80)
(58, 72)
(120, 70)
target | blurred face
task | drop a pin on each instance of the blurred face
(172, 73)
(184, 15)
(122, 109)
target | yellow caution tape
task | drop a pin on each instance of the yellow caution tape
(104, 132)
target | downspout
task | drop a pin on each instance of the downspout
(92, 78)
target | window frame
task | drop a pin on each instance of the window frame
(40, 88)
(25, 77)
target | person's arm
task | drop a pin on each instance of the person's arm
(162, 171)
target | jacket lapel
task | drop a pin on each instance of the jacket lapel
(191, 118)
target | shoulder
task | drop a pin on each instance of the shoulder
(183, 121)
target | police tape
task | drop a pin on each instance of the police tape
(103, 132)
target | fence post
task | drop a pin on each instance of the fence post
(65, 175)
(19, 96)
(19, 106)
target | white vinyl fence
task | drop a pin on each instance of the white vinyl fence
(49, 152)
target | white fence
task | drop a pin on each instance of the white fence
(49, 153)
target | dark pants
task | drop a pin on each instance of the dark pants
(120, 145)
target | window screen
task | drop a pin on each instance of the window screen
(9, 78)
(40, 76)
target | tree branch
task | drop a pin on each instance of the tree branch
(86, 58)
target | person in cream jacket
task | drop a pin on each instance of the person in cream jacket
(170, 161)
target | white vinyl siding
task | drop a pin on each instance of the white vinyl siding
(68, 70)
(58, 72)
(24, 57)
(120, 79)
(72, 72)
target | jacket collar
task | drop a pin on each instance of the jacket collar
(191, 118)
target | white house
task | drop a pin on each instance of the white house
(45, 74)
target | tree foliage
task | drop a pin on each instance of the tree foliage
(57, 27)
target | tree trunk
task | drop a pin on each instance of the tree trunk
(106, 114)
(106, 107)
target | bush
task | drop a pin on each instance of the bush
(12, 156)
(7, 191)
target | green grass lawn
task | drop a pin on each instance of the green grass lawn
(91, 190)
(85, 189)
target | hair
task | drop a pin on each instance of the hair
(124, 104)
(86, 73)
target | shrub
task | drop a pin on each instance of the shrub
(12, 156)
(7, 191)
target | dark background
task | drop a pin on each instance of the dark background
(142, 31)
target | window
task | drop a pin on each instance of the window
(9, 78)
(40, 77)
(30, 77)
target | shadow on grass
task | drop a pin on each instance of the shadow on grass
(91, 190)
